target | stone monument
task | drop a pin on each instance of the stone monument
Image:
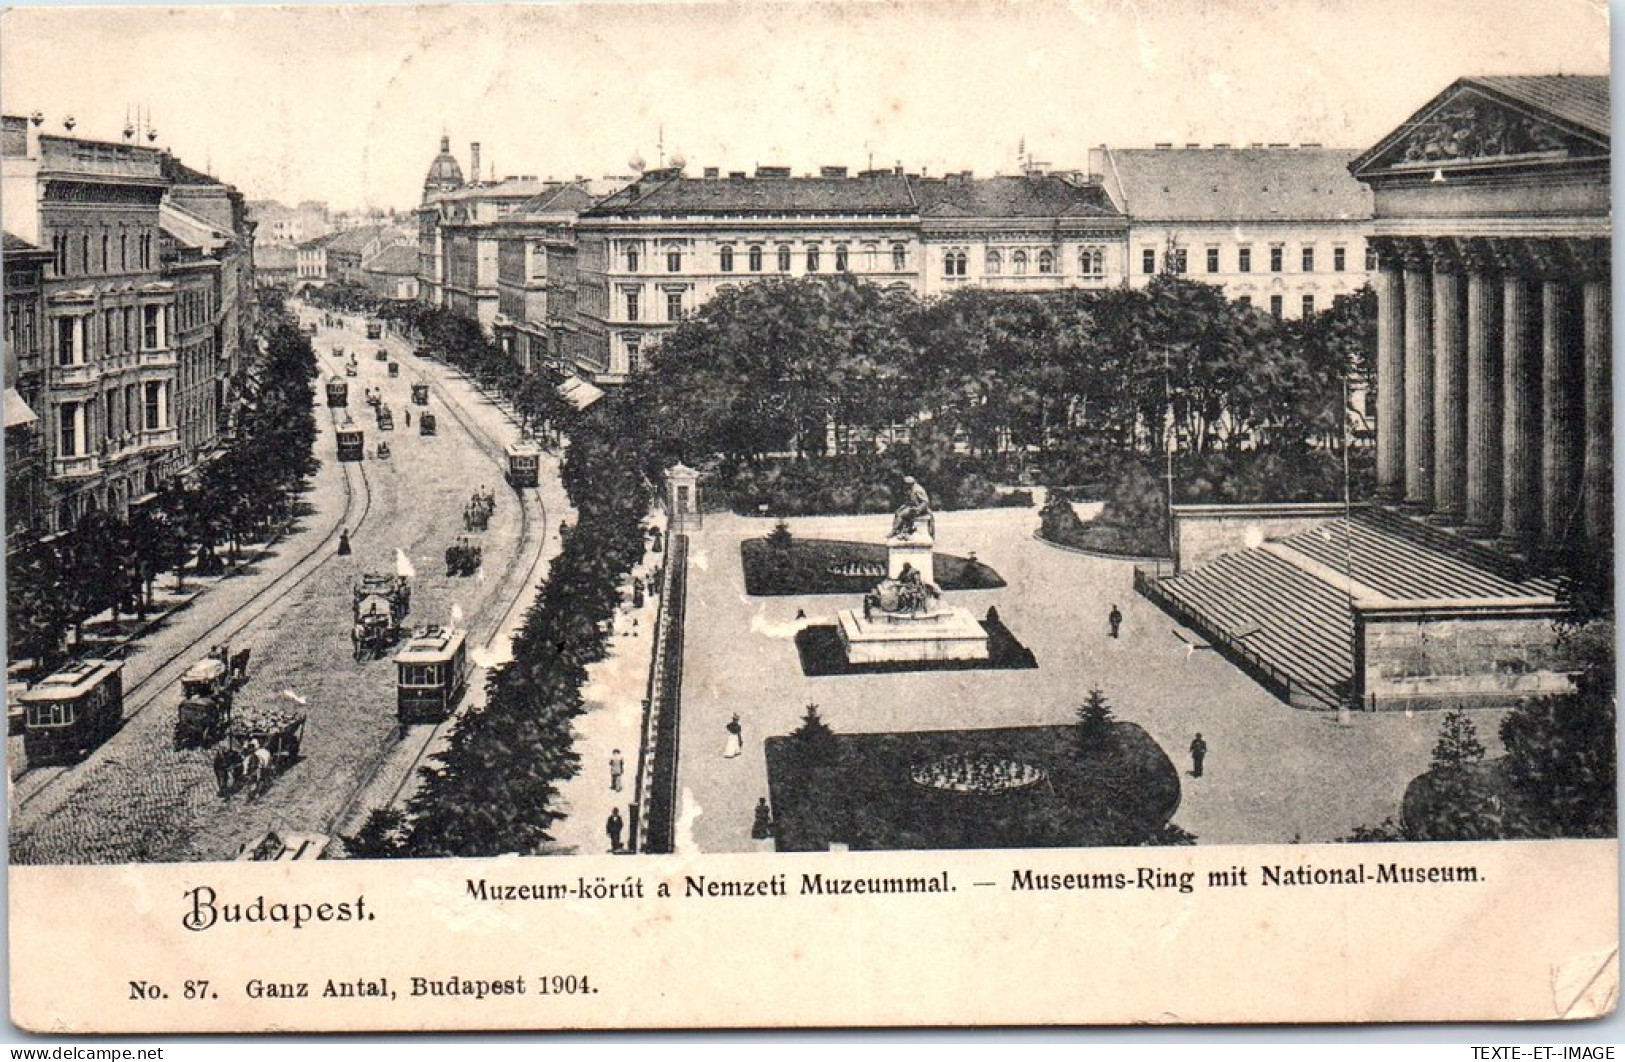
(904, 618)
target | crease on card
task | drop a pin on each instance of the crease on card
(1586, 986)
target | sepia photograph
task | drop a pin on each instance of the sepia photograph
(607, 470)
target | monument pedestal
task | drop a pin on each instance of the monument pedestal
(913, 549)
(884, 638)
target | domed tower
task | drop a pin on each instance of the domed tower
(444, 173)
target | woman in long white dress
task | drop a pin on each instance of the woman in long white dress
(736, 738)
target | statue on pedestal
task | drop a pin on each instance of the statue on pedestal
(917, 507)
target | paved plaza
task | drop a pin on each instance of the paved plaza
(1273, 774)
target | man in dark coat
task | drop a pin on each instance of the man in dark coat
(613, 828)
(1198, 754)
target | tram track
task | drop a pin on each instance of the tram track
(350, 815)
(35, 783)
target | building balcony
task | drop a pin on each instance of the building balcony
(159, 439)
(158, 358)
(81, 374)
(82, 466)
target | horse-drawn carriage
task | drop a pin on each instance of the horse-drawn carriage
(381, 354)
(374, 397)
(207, 689)
(352, 443)
(386, 419)
(426, 424)
(477, 513)
(381, 602)
(524, 465)
(394, 369)
(258, 747)
(338, 393)
(272, 846)
(420, 394)
(72, 711)
(463, 557)
(375, 329)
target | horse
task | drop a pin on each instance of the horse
(232, 767)
(259, 769)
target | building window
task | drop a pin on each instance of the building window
(67, 423)
(1340, 259)
(107, 246)
(1308, 306)
(152, 327)
(631, 306)
(726, 259)
(840, 258)
(674, 306)
(1046, 261)
(1212, 259)
(953, 264)
(1092, 261)
(84, 253)
(1018, 263)
(755, 259)
(109, 326)
(1275, 306)
(631, 259)
(67, 341)
(674, 261)
(152, 406)
(129, 329)
(1244, 260)
(1176, 260)
(899, 257)
(1308, 259)
(1148, 260)
(784, 259)
(994, 264)
(1371, 260)
(1245, 301)
(634, 356)
(812, 259)
(1277, 257)
(59, 252)
(123, 251)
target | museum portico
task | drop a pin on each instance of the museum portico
(1493, 347)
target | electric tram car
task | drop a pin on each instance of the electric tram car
(426, 424)
(71, 712)
(352, 443)
(338, 393)
(375, 330)
(524, 461)
(431, 671)
(420, 394)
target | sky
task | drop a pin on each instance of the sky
(347, 104)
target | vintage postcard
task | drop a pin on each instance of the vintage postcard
(667, 515)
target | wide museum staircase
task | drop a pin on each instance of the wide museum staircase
(1281, 610)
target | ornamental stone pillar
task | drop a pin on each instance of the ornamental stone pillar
(1390, 380)
(1561, 366)
(1599, 409)
(1520, 398)
(1418, 379)
(1483, 510)
(1449, 392)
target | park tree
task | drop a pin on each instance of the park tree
(37, 603)
(815, 743)
(1458, 747)
(1094, 731)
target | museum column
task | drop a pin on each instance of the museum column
(1483, 400)
(1418, 381)
(1560, 415)
(1390, 380)
(1599, 407)
(1449, 393)
(1520, 438)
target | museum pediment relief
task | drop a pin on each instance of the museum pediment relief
(1470, 128)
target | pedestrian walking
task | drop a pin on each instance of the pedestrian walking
(408, 418)
(1114, 619)
(613, 828)
(762, 828)
(616, 767)
(736, 738)
(344, 542)
(1198, 754)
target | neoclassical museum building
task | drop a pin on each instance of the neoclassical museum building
(1494, 427)
(1492, 229)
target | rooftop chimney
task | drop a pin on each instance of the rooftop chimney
(1163, 146)
(773, 171)
(712, 173)
(832, 171)
(1193, 145)
(474, 163)
(1218, 147)
(736, 175)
